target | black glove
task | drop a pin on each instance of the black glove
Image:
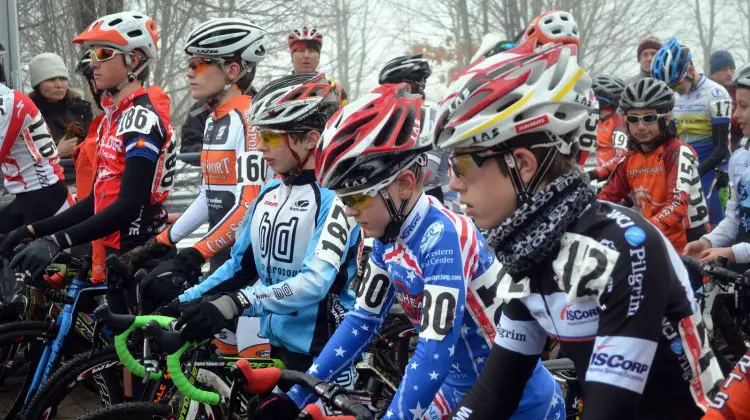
(142, 255)
(273, 406)
(35, 257)
(15, 237)
(171, 309)
(211, 315)
(170, 278)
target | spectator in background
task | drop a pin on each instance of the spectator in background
(647, 49)
(67, 115)
(721, 70)
(305, 45)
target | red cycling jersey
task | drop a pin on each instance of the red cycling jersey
(660, 181)
(138, 126)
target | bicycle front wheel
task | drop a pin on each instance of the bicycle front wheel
(129, 411)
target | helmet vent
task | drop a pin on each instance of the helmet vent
(387, 131)
(115, 22)
(135, 33)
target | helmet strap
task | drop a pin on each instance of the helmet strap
(398, 216)
(290, 176)
(132, 74)
(213, 101)
(525, 192)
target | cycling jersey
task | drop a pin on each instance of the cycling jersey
(611, 143)
(618, 299)
(587, 134)
(340, 91)
(703, 116)
(139, 126)
(27, 151)
(303, 248)
(734, 230)
(733, 399)
(232, 172)
(663, 183)
(441, 272)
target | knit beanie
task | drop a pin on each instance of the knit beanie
(47, 66)
(651, 42)
(719, 60)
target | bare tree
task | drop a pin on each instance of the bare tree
(704, 19)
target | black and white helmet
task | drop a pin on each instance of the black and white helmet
(608, 90)
(228, 38)
(647, 93)
(741, 77)
(412, 69)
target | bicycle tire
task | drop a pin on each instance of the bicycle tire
(103, 366)
(129, 411)
(33, 334)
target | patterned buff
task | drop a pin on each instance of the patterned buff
(534, 230)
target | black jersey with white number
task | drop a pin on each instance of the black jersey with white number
(618, 300)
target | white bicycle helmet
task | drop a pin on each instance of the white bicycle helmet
(125, 31)
(228, 38)
(515, 92)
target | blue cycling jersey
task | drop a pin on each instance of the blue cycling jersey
(449, 285)
(303, 247)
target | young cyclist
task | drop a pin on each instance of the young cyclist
(702, 112)
(134, 173)
(434, 262)
(305, 45)
(731, 237)
(296, 237)
(223, 55)
(659, 168)
(595, 276)
(611, 137)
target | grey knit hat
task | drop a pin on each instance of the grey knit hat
(47, 66)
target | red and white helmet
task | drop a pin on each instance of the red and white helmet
(125, 31)
(305, 35)
(552, 26)
(515, 92)
(369, 142)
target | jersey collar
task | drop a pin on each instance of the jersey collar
(699, 84)
(415, 218)
(305, 177)
(241, 102)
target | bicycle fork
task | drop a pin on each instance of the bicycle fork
(51, 353)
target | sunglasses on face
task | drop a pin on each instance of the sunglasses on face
(201, 64)
(274, 139)
(104, 54)
(358, 201)
(647, 119)
(463, 162)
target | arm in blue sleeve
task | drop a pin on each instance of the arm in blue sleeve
(439, 332)
(356, 331)
(327, 254)
(234, 265)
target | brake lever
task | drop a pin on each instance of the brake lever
(96, 343)
(151, 364)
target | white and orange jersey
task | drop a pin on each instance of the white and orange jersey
(27, 151)
(233, 171)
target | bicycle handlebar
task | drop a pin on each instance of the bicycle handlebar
(717, 272)
(263, 380)
(123, 326)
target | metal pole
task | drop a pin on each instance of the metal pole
(14, 47)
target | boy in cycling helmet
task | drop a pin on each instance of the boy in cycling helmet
(414, 71)
(659, 170)
(222, 54)
(597, 277)
(134, 171)
(432, 261)
(611, 137)
(296, 237)
(702, 113)
(731, 237)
